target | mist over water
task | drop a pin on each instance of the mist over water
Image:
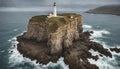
(46, 5)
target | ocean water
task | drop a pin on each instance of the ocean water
(106, 32)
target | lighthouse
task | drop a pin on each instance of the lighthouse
(54, 13)
(54, 10)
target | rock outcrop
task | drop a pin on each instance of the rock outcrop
(48, 39)
(59, 32)
(117, 50)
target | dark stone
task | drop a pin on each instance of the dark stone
(117, 50)
(73, 54)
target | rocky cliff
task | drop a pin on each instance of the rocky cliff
(48, 39)
(59, 32)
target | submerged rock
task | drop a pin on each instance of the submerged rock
(117, 50)
(48, 39)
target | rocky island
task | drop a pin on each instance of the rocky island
(48, 39)
(107, 9)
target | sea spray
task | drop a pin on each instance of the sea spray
(102, 62)
(17, 60)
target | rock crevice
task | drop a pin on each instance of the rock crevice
(47, 39)
(57, 31)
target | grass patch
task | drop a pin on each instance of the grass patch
(39, 19)
(68, 15)
(53, 22)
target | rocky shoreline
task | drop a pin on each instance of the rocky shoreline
(76, 54)
(108, 9)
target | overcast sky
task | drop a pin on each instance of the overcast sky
(44, 4)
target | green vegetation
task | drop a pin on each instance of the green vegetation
(53, 22)
(108, 9)
(62, 20)
(59, 20)
(68, 15)
(39, 19)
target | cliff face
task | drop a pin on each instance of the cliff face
(59, 32)
(47, 39)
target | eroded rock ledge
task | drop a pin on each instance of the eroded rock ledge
(47, 39)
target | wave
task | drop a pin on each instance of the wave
(94, 53)
(97, 33)
(87, 26)
(15, 30)
(2, 51)
(17, 61)
(102, 62)
(105, 62)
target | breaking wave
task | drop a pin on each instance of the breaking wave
(87, 26)
(97, 33)
(102, 62)
(17, 61)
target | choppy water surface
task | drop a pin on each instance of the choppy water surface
(106, 32)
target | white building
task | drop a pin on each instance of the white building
(54, 13)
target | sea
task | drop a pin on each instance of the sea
(106, 30)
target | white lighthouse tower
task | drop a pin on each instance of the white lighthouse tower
(54, 13)
(55, 10)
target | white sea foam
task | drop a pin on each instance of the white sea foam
(12, 40)
(94, 53)
(102, 62)
(102, 43)
(105, 62)
(16, 59)
(87, 26)
(99, 33)
(114, 53)
(14, 55)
